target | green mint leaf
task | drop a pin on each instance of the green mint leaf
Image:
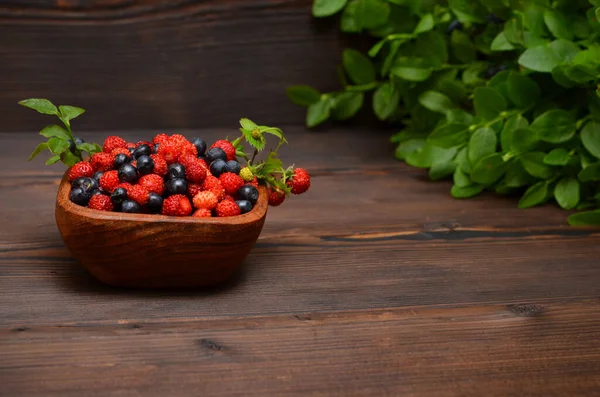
(462, 47)
(501, 43)
(588, 218)
(463, 192)
(70, 112)
(41, 105)
(557, 24)
(55, 131)
(558, 157)
(325, 8)
(483, 142)
(358, 67)
(39, 148)
(535, 195)
(522, 91)
(436, 102)
(590, 137)
(54, 159)
(57, 145)
(407, 147)
(566, 193)
(534, 164)
(248, 124)
(590, 173)
(449, 135)
(347, 105)
(425, 24)
(488, 103)
(302, 95)
(319, 112)
(69, 158)
(385, 101)
(554, 126)
(488, 169)
(372, 13)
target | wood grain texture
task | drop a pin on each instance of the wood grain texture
(162, 63)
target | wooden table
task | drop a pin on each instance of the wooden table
(374, 283)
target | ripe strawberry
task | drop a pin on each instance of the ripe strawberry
(246, 174)
(214, 185)
(227, 208)
(188, 148)
(228, 197)
(100, 202)
(160, 165)
(146, 143)
(195, 172)
(202, 213)
(139, 194)
(178, 138)
(130, 145)
(120, 150)
(177, 205)
(204, 164)
(206, 200)
(276, 197)
(160, 139)
(110, 180)
(227, 148)
(81, 170)
(113, 142)
(170, 151)
(153, 183)
(300, 182)
(125, 185)
(185, 159)
(194, 189)
(231, 182)
(102, 161)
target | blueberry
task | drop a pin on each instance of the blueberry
(78, 141)
(248, 192)
(218, 167)
(118, 196)
(97, 192)
(176, 186)
(72, 146)
(98, 175)
(176, 171)
(121, 159)
(77, 182)
(131, 149)
(142, 150)
(245, 205)
(200, 145)
(130, 207)
(453, 26)
(155, 202)
(216, 153)
(89, 185)
(79, 196)
(145, 165)
(128, 173)
(234, 166)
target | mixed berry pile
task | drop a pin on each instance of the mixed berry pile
(172, 175)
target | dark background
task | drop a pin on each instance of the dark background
(162, 64)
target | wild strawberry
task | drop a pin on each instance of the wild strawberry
(160, 165)
(276, 197)
(160, 139)
(254, 182)
(102, 161)
(202, 213)
(227, 208)
(231, 182)
(188, 148)
(120, 150)
(150, 144)
(139, 194)
(110, 180)
(206, 200)
(195, 172)
(100, 202)
(113, 142)
(170, 151)
(246, 174)
(204, 164)
(177, 205)
(125, 185)
(227, 148)
(178, 138)
(185, 159)
(229, 197)
(153, 183)
(300, 182)
(83, 169)
(130, 145)
(194, 189)
(214, 185)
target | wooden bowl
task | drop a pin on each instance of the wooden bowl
(157, 251)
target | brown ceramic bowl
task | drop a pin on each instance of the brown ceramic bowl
(157, 251)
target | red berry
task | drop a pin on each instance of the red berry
(228, 197)
(227, 208)
(139, 194)
(102, 161)
(214, 185)
(206, 200)
(160, 139)
(300, 182)
(120, 150)
(231, 182)
(186, 159)
(153, 183)
(276, 197)
(254, 182)
(195, 172)
(188, 148)
(160, 165)
(113, 142)
(100, 202)
(110, 180)
(194, 189)
(80, 170)
(177, 205)
(146, 143)
(131, 145)
(178, 138)
(227, 148)
(203, 163)
(202, 213)
(125, 185)
(170, 151)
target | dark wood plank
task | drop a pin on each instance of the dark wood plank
(546, 350)
(162, 63)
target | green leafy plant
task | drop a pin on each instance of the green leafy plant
(499, 95)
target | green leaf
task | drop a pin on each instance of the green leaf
(55, 131)
(512, 124)
(488, 169)
(407, 147)
(590, 173)
(449, 135)
(257, 143)
(431, 46)
(424, 157)
(581, 73)
(559, 74)
(534, 20)
(554, 126)
(70, 112)
(248, 124)
(523, 140)
(590, 137)
(302, 95)
(558, 156)
(462, 160)
(535, 166)
(89, 147)
(483, 142)
(565, 49)
(557, 24)
(566, 193)
(468, 11)
(588, 218)
(425, 24)
(347, 105)
(443, 165)
(514, 31)
(488, 103)
(457, 116)
(535, 195)
(516, 176)
(385, 101)
(69, 158)
(540, 59)
(350, 22)
(461, 179)
(372, 13)
(500, 43)
(358, 67)
(462, 47)
(53, 159)
(465, 191)
(319, 112)
(412, 73)
(522, 90)
(325, 8)
(57, 145)
(454, 89)
(41, 105)
(39, 148)
(436, 102)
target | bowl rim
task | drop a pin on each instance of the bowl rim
(62, 199)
